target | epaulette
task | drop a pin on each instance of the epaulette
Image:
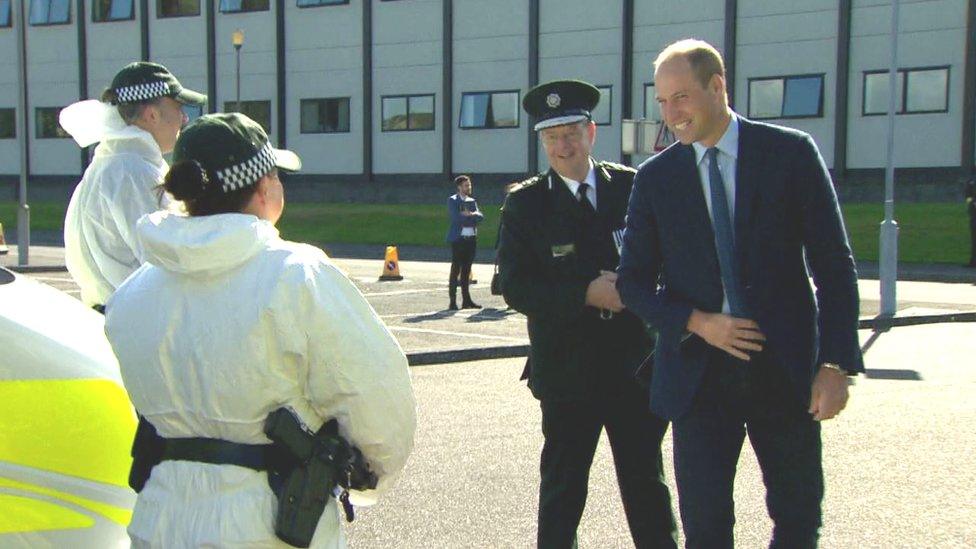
(530, 182)
(617, 167)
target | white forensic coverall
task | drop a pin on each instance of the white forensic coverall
(117, 189)
(225, 323)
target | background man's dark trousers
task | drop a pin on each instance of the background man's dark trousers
(737, 398)
(462, 256)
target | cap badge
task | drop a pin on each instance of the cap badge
(553, 100)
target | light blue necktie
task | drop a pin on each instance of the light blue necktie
(724, 241)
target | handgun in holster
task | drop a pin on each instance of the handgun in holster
(305, 469)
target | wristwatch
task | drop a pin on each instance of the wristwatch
(832, 366)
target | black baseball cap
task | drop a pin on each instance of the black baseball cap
(233, 150)
(142, 80)
(561, 102)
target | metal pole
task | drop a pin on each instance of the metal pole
(23, 211)
(888, 264)
(238, 49)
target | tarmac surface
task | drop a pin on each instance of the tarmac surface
(899, 461)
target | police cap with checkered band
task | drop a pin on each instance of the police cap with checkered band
(233, 149)
(142, 81)
(561, 102)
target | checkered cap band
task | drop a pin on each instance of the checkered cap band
(247, 172)
(142, 92)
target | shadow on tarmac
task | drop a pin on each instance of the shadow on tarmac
(886, 373)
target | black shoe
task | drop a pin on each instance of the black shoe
(452, 307)
(470, 305)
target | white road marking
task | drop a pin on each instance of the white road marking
(462, 334)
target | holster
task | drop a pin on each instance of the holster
(147, 452)
(306, 471)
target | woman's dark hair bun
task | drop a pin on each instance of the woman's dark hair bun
(186, 180)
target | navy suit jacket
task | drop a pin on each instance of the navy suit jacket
(785, 204)
(458, 221)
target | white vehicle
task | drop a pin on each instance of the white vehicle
(66, 423)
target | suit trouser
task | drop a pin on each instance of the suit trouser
(572, 431)
(733, 399)
(462, 256)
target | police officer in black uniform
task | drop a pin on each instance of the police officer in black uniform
(559, 247)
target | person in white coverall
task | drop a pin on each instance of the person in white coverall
(225, 323)
(136, 122)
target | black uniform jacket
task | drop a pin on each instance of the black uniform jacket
(550, 248)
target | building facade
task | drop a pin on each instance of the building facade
(417, 90)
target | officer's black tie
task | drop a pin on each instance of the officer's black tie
(583, 199)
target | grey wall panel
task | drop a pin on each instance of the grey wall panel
(52, 59)
(9, 148)
(577, 42)
(490, 49)
(111, 46)
(258, 60)
(324, 49)
(780, 39)
(180, 44)
(657, 24)
(931, 33)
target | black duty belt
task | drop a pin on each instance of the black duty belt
(219, 452)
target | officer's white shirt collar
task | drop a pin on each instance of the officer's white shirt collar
(728, 144)
(590, 180)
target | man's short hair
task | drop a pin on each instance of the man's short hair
(704, 59)
(459, 180)
(130, 112)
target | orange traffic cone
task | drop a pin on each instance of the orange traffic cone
(4, 250)
(391, 265)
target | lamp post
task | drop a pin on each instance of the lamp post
(23, 211)
(888, 260)
(237, 38)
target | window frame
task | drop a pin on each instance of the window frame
(228, 104)
(48, 23)
(159, 11)
(408, 96)
(220, 8)
(654, 99)
(900, 109)
(321, 4)
(301, 129)
(131, 17)
(13, 122)
(10, 16)
(609, 88)
(786, 78)
(518, 111)
(37, 122)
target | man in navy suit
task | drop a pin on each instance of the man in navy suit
(462, 235)
(718, 226)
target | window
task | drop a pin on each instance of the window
(111, 10)
(652, 111)
(313, 3)
(50, 12)
(8, 124)
(192, 112)
(259, 111)
(5, 13)
(330, 115)
(601, 113)
(796, 96)
(408, 113)
(46, 123)
(498, 109)
(237, 6)
(917, 91)
(177, 8)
